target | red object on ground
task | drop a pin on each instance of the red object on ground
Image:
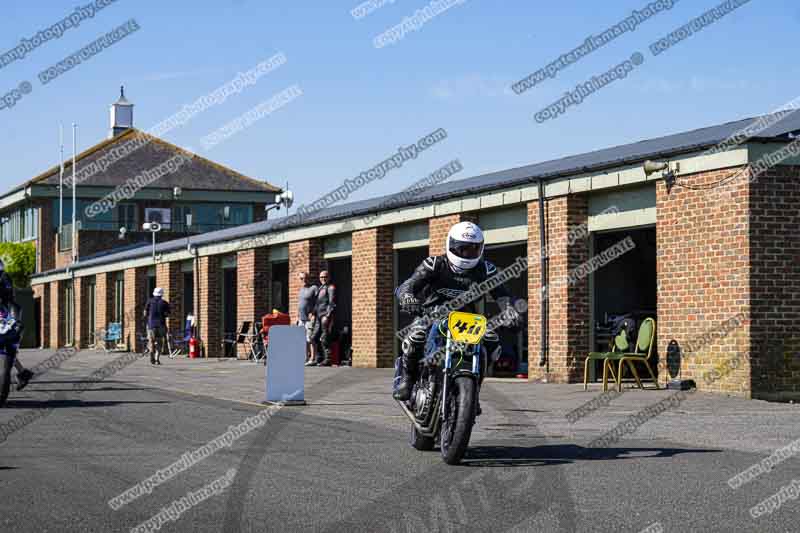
(273, 319)
(193, 348)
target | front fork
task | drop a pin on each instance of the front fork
(449, 375)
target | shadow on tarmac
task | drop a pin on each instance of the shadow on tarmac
(558, 454)
(60, 404)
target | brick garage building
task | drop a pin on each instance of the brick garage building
(718, 243)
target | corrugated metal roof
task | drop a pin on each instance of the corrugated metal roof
(607, 158)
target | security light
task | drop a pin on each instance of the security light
(651, 167)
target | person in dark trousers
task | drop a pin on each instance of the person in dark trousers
(156, 310)
(323, 325)
(306, 302)
(7, 301)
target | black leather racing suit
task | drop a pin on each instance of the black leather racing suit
(10, 313)
(435, 282)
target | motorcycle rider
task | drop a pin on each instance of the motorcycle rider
(10, 334)
(434, 282)
(10, 306)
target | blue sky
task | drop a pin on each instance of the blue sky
(360, 103)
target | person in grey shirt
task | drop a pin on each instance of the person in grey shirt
(306, 304)
(322, 333)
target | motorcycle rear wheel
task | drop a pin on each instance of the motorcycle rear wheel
(457, 429)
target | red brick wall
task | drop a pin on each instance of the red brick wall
(373, 286)
(135, 298)
(210, 298)
(104, 300)
(775, 284)
(253, 283)
(170, 278)
(568, 305)
(703, 275)
(45, 244)
(304, 256)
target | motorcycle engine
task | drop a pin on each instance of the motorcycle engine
(423, 399)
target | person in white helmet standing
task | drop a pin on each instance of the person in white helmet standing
(156, 312)
(436, 281)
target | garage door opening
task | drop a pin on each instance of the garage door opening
(340, 271)
(624, 288)
(513, 360)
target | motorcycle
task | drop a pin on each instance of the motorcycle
(444, 400)
(6, 361)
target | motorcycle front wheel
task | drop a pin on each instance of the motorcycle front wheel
(6, 364)
(457, 428)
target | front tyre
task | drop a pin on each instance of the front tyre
(421, 442)
(457, 428)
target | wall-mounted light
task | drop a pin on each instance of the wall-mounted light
(651, 167)
(122, 232)
(152, 227)
(176, 192)
(284, 199)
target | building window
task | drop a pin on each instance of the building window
(179, 213)
(158, 214)
(126, 217)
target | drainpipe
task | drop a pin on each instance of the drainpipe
(196, 275)
(543, 359)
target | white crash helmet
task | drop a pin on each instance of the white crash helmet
(158, 291)
(464, 246)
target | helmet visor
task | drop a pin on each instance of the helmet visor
(466, 250)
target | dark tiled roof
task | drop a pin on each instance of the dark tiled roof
(198, 174)
(661, 147)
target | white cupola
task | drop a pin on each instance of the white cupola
(121, 115)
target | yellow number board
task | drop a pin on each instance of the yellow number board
(466, 327)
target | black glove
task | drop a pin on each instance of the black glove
(410, 305)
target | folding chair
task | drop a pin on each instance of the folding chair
(231, 340)
(180, 342)
(112, 334)
(619, 345)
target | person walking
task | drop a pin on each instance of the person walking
(322, 334)
(306, 302)
(156, 310)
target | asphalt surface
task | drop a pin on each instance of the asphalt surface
(342, 463)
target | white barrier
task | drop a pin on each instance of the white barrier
(286, 355)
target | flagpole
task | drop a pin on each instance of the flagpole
(74, 203)
(61, 180)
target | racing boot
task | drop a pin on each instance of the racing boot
(405, 381)
(23, 378)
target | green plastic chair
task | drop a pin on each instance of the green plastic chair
(642, 352)
(620, 346)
